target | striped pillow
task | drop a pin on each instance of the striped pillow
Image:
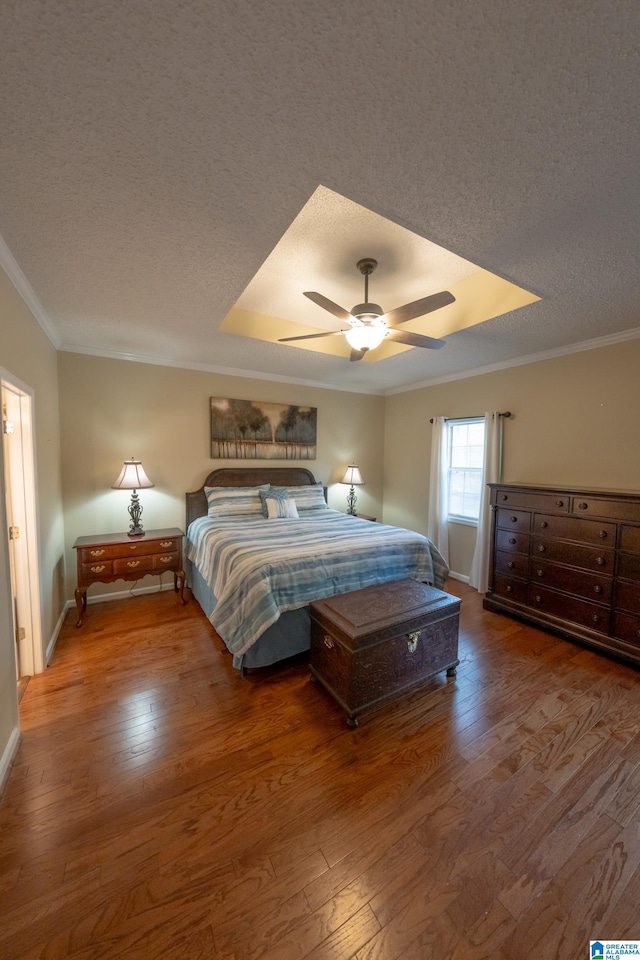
(281, 508)
(308, 498)
(226, 502)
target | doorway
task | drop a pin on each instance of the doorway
(20, 493)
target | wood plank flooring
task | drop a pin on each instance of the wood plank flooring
(160, 805)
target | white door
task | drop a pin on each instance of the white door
(20, 502)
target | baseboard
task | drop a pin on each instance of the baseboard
(458, 576)
(125, 594)
(7, 757)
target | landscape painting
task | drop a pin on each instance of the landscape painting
(253, 430)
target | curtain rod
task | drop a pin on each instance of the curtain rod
(506, 415)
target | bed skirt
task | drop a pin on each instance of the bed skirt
(288, 636)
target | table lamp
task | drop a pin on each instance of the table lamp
(354, 478)
(132, 477)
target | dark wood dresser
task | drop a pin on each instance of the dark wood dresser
(569, 561)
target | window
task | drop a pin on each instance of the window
(466, 460)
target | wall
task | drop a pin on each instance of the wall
(111, 410)
(27, 354)
(574, 423)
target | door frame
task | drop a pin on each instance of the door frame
(21, 480)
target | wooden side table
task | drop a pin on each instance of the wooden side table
(116, 556)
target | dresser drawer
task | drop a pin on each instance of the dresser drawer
(97, 570)
(133, 565)
(629, 566)
(563, 606)
(596, 507)
(510, 589)
(165, 561)
(560, 551)
(511, 542)
(514, 520)
(587, 585)
(513, 564)
(628, 597)
(533, 501)
(569, 528)
(627, 628)
(630, 539)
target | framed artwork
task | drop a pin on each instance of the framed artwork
(253, 430)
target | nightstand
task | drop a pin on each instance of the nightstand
(116, 556)
(364, 516)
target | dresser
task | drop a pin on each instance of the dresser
(116, 556)
(569, 560)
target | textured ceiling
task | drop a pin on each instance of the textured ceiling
(154, 154)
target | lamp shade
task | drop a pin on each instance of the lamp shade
(132, 477)
(353, 476)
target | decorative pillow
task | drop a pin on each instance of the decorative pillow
(273, 493)
(226, 502)
(281, 508)
(308, 498)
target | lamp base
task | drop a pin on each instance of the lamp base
(351, 502)
(135, 512)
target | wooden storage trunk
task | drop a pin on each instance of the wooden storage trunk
(377, 643)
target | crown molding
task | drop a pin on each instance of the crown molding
(595, 344)
(10, 266)
(210, 368)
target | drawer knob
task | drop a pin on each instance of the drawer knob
(597, 589)
(511, 564)
(99, 567)
(504, 496)
(412, 641)
(96, 553)
(602, 534)
(133, 563)
(540, 573)
(166, 544)
(559, 503)
(543, 524)
(600, 561)
(509, 588)
(328, 642)
(538, 598)
(542, 548)
(596, 618)
(583, 506)
(513, 519)
(512, 539)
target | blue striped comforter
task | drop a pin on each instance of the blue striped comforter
(258, 568)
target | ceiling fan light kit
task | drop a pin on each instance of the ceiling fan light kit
(368, 323)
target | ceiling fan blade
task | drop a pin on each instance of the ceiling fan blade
(414, 339)
(418, 308)
(357, 354)
(329, 305)
(312, 336)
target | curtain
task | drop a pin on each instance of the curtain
(437, 527)
(492, 469)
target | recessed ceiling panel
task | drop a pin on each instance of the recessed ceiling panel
(320, 251)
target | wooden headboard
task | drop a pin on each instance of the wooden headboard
(196, 501)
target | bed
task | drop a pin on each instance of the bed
(254, 574)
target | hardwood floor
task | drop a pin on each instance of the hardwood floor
(160, 805)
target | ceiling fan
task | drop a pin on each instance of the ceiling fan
(369, 325)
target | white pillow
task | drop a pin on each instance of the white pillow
(281, 508)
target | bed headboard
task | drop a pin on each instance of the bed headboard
(196, 501)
